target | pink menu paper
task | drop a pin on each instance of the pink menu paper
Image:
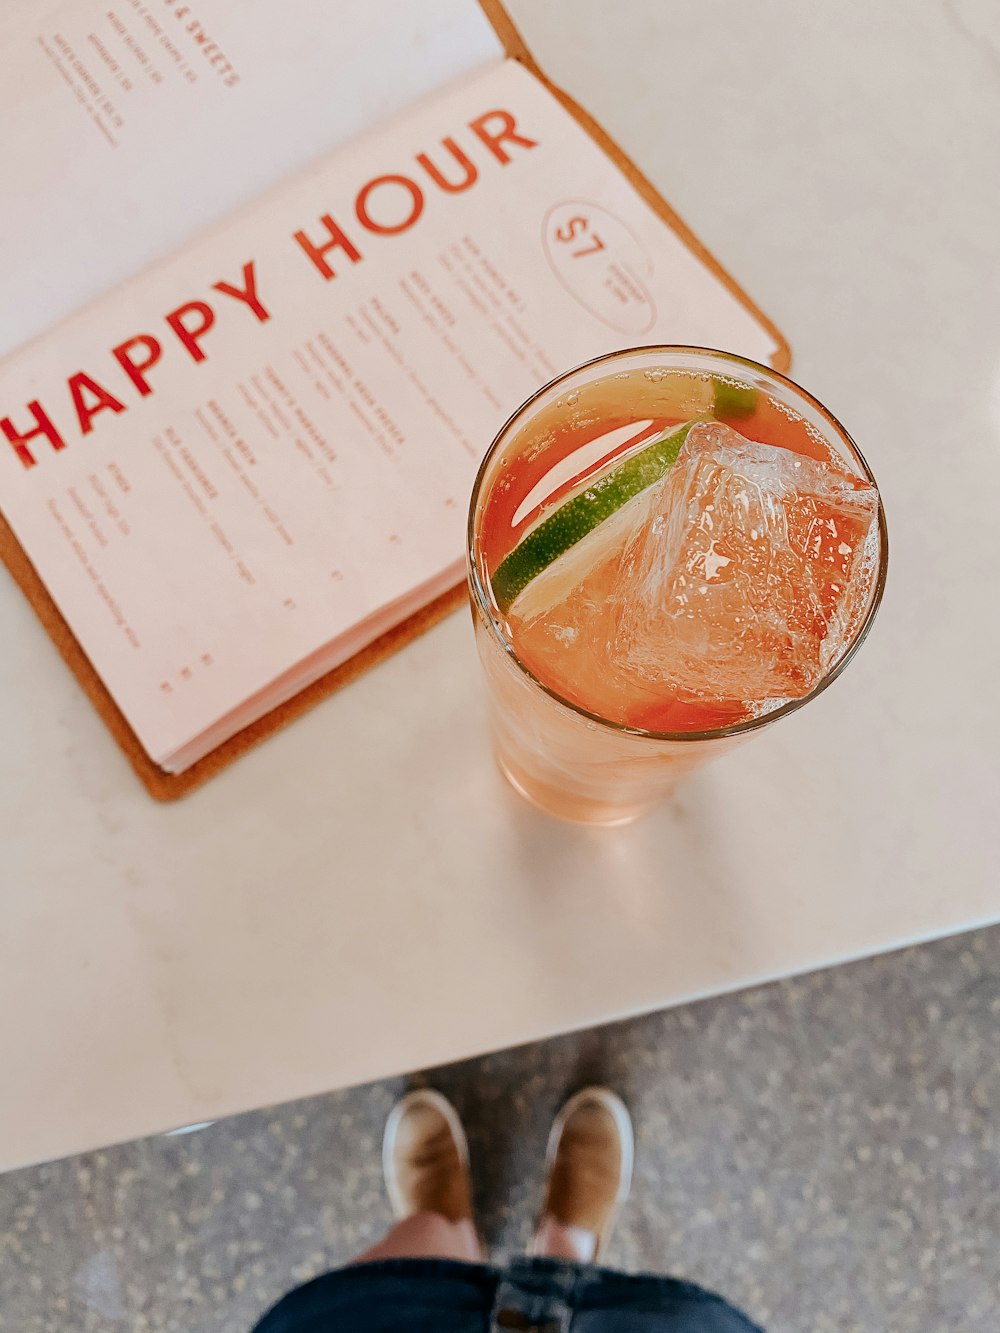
(246, 462)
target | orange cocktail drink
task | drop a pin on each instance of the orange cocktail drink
(669, 549)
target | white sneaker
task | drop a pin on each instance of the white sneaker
(589, 1161)
(425, 1158)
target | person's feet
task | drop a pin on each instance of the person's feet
(425, 1158)
(589, 1161)
(426, 1163)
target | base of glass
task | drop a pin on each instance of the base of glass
(571, 808)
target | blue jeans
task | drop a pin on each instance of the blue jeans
(525, 1296)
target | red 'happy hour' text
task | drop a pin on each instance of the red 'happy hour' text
(385, 206)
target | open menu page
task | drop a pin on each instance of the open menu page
(131, 125)
(226, 467)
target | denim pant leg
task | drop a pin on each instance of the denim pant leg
(389, 1296)
(551, 1296)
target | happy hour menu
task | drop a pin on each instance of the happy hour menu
(237, 468)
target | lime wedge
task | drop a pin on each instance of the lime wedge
(572, 521)
(569, 570)
(733, 398)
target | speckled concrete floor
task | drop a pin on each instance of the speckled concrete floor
(823, 1151)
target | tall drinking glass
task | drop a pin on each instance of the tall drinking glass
(622, 527)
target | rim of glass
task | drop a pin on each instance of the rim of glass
(667, 350)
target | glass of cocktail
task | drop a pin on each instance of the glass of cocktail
(670, 548)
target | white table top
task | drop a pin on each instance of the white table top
(362, 896)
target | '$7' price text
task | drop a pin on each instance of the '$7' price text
(577, 231)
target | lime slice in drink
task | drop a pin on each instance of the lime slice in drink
(574, 520)
(733, 398)
(557, 580)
